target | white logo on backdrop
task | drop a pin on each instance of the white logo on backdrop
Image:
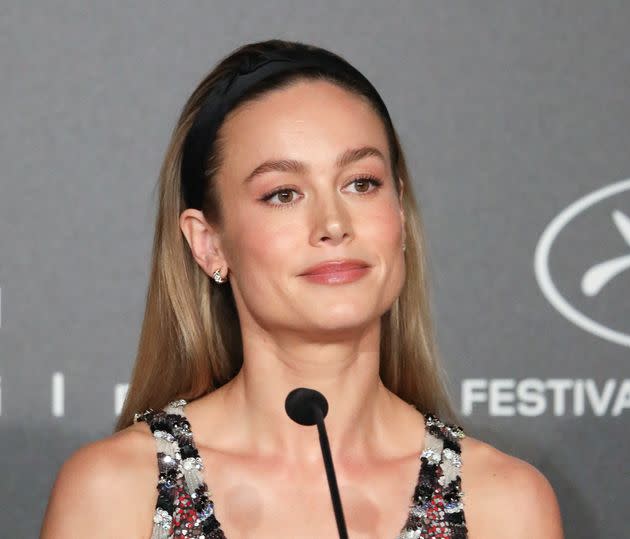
(598, 275)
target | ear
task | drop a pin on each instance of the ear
(204, 241)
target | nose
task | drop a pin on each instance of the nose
(332, 220)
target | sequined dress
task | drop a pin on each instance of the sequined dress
(184, 507)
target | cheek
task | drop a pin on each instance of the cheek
(383, 227)
(266, 243)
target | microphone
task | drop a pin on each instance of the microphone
(309, 407)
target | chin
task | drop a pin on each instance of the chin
(338, 316)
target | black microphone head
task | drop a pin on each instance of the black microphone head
(301, 404)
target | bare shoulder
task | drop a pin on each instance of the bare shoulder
(505, 496)
(106, 488)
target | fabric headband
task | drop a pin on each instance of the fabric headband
(226, 94)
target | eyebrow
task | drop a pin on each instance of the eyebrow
(298, 167)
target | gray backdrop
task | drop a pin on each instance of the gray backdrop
(515, 119)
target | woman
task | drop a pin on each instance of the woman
(288, 253)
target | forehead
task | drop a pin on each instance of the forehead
(310, 120)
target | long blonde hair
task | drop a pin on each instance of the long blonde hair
(190, 342)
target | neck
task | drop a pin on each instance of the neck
(346, 373)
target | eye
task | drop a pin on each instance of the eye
(282, 194)
(367, 181)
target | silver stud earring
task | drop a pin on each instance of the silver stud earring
(217, 276)
(404, 246)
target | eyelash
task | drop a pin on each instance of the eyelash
(371, 179)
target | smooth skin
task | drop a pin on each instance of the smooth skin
(264, 472)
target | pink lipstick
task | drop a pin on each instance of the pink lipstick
(337, 271)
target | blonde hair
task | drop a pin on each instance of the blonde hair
(190, 342)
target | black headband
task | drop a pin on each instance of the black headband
(227, 92)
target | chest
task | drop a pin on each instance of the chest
(257, 499)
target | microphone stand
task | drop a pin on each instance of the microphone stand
(307, 406)
(330, 473)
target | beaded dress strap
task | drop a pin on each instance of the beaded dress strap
(183, 506)
(437, 509)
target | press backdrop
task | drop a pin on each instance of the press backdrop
(515, 116)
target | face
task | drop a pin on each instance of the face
(307, 209)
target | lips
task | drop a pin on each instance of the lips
(333, 266)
